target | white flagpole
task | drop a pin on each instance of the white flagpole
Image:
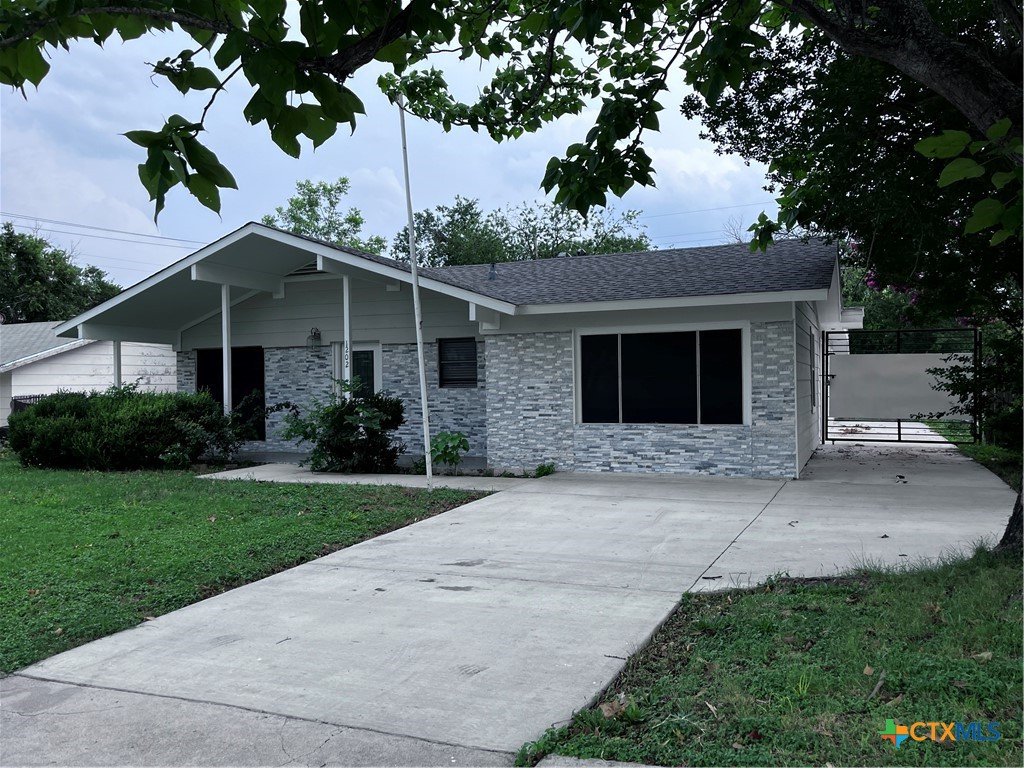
(416, 301)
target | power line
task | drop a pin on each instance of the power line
(146, 264)
(103, 237)
(705, 210)
(90, 226)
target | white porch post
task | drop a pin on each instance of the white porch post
(117, 363)
(346, 350)
(225, 340)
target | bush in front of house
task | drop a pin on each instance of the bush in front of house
(121, 429)
(349, 433)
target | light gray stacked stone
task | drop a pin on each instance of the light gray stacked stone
(296, 375)
(773, 375)
(531, 416)
(530, 401)
(186, 370)
(452, 409)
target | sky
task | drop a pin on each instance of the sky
(67, 173)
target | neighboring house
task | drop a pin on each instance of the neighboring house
(684, 360)
(34, 361)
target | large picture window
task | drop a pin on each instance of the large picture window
(686, 377)
(456, 362)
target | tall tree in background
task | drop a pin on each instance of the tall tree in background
(838, 135)
(39, 282)
(448, 235)
(315, 210)
(461, 233)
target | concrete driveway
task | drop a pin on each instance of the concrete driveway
(456, 640)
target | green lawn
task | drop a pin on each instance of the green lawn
(87, 554)
(783, 675)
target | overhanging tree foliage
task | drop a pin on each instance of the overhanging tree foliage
(550, 58)
(39, 282)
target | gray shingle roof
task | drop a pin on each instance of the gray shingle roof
(719, 270)
(716, 270)
(21, 340)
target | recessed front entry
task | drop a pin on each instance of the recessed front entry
(246, 378)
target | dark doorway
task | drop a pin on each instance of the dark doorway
(247, 386)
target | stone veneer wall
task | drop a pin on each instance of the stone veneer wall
(531, 415)
(296, 375)
(530, 410)
(187, 370)
(452, 409)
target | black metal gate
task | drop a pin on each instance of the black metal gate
(878, 386)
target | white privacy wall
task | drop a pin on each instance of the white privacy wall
(91, 368)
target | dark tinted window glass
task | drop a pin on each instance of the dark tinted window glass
(457, 362)
(362, 369)
(659, 378)
(721, 377)
(599, 373)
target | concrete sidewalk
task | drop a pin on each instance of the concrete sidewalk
(456, 640)
(293, 473)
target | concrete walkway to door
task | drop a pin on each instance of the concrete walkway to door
(456, 640)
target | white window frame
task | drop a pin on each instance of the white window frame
(743, 326)
(365, 346)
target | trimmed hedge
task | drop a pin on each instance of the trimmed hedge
(121, 429)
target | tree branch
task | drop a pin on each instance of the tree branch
(344, 63)
(180, 18)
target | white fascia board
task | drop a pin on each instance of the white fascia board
(673, 303)
(71, 326)
(44, 354)
(335, 262)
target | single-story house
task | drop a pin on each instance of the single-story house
(34, 361)
(682, 360)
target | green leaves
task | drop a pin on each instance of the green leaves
(1003, 210)
(960, 169)
(175, 156)
(949, 144)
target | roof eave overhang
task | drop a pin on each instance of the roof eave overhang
(71, 327)
(337, 262)
(673, 302)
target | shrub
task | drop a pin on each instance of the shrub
(349, 434)
(543, 470)
(447, 448)
(120, 429)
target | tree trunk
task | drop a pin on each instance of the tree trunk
(905, 36)
(1011, 541)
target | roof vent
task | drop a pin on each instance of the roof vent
(581, 252)
(564, 255)
(493, 274)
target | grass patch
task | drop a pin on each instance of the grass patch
(86, 554)
(1004, 462)
(783, 675)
